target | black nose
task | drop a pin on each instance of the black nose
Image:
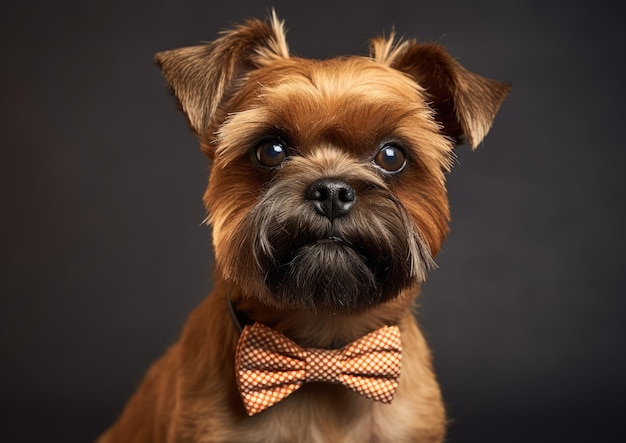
(331, 198)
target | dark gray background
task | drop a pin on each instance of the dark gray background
(104, 255)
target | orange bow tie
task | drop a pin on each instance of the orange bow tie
(270, 367)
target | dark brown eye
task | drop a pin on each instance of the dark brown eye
(390, 158)
(271, 153)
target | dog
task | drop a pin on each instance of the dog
(327, 203)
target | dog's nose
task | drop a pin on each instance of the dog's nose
(331, 198)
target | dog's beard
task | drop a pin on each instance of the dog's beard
(306, 261)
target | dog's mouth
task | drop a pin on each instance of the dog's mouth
(333, 240)
(336, 242)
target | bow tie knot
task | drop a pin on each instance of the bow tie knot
(270, 367)
(323, 365)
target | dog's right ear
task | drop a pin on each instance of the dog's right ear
(202, 77)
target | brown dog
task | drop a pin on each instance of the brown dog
(328, 202)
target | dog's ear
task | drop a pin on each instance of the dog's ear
(464, 103)
(202, 77)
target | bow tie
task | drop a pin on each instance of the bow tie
(269, 366)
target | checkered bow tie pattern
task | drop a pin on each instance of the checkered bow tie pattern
(269, 366)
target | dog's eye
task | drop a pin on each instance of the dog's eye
(271, 153)
(390, 158)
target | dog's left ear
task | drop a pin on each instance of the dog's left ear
(464, 103)
(203, 77)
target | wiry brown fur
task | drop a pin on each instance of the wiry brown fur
(334, 116)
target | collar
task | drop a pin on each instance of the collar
(239, 318)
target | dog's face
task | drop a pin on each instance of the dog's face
(327, 191)
(327, 188)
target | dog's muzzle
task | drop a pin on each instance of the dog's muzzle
(317, 247)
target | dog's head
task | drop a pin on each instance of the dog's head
(327, 191)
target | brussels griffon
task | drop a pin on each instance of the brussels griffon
(327, 200)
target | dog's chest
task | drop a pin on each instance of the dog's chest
(326, 414)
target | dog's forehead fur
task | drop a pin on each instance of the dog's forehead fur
(355, 104)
